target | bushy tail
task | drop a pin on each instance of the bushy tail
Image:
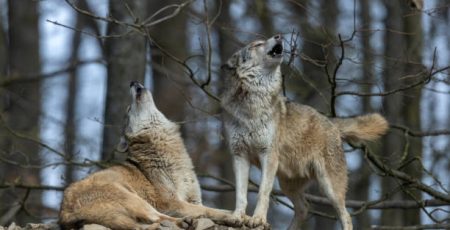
(362, 128)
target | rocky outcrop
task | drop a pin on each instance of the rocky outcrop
(188, 224)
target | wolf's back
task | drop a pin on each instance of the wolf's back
(361, 128)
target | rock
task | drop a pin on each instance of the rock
(48, 226)
(13, 226)
(94, 227)
(203, 224)
(168, 225)
(188, 223)
(184, 225)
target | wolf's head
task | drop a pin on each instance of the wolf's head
(263, 56)
(142, 113)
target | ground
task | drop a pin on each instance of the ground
(194, 224)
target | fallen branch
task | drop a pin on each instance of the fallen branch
(425, 226)
(413, 182)
(376, 204)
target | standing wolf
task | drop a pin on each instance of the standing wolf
(157, 180)
(293, 141)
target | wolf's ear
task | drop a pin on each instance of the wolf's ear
(226, 67)
(123, 145)
(231, 64)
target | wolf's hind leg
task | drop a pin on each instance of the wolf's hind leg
(142, 211)
(334, 184)
(108, 214)
(293, 189)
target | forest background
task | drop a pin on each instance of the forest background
(65, 67)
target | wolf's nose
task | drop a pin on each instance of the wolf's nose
(136, 84)
(278, 37)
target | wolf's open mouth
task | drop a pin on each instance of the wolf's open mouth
(276, 50)
(138, 88)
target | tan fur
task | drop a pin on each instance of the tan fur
(294, 141)
(363, 128)
(156, 183)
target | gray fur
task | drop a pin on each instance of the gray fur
(293, 141)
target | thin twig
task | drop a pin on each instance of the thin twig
(413, 227)
(414, 182)
(420, 134)
(189, 71)
(209, 51)
(387, 93)
(31, 139)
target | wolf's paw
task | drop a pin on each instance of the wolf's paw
(258, 222)
(231, 220)
(153, 226)
(239, 214)
(188, 220)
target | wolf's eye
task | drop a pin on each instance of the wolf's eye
(258, 45)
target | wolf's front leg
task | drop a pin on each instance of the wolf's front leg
(241, 166)
(269, 166)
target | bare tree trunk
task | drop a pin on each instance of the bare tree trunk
(70, 126)
(403, 108)
(3, 95)
(411, 111)
(226, 200)
(126, 58)
(70, 130)
(170, 95)
(265, 17)
(392, 143)
(3, 50)
(446, 24)
(21, 105)
(316, 45)
(360, 188)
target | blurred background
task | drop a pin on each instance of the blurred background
(65, 67)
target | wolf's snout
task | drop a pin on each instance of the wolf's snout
(136, 85)
(138, 91)
(278, 37)
(276, 43)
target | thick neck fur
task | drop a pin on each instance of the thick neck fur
(252, 92)
(159, 148)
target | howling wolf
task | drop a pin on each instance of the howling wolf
(156, 183)
(283, 138)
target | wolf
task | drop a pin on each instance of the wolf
(156, 183)
(283, 138)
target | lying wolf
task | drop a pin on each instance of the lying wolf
(283, 138)
(156, 183)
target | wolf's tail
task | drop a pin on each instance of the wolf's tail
(362, 128)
